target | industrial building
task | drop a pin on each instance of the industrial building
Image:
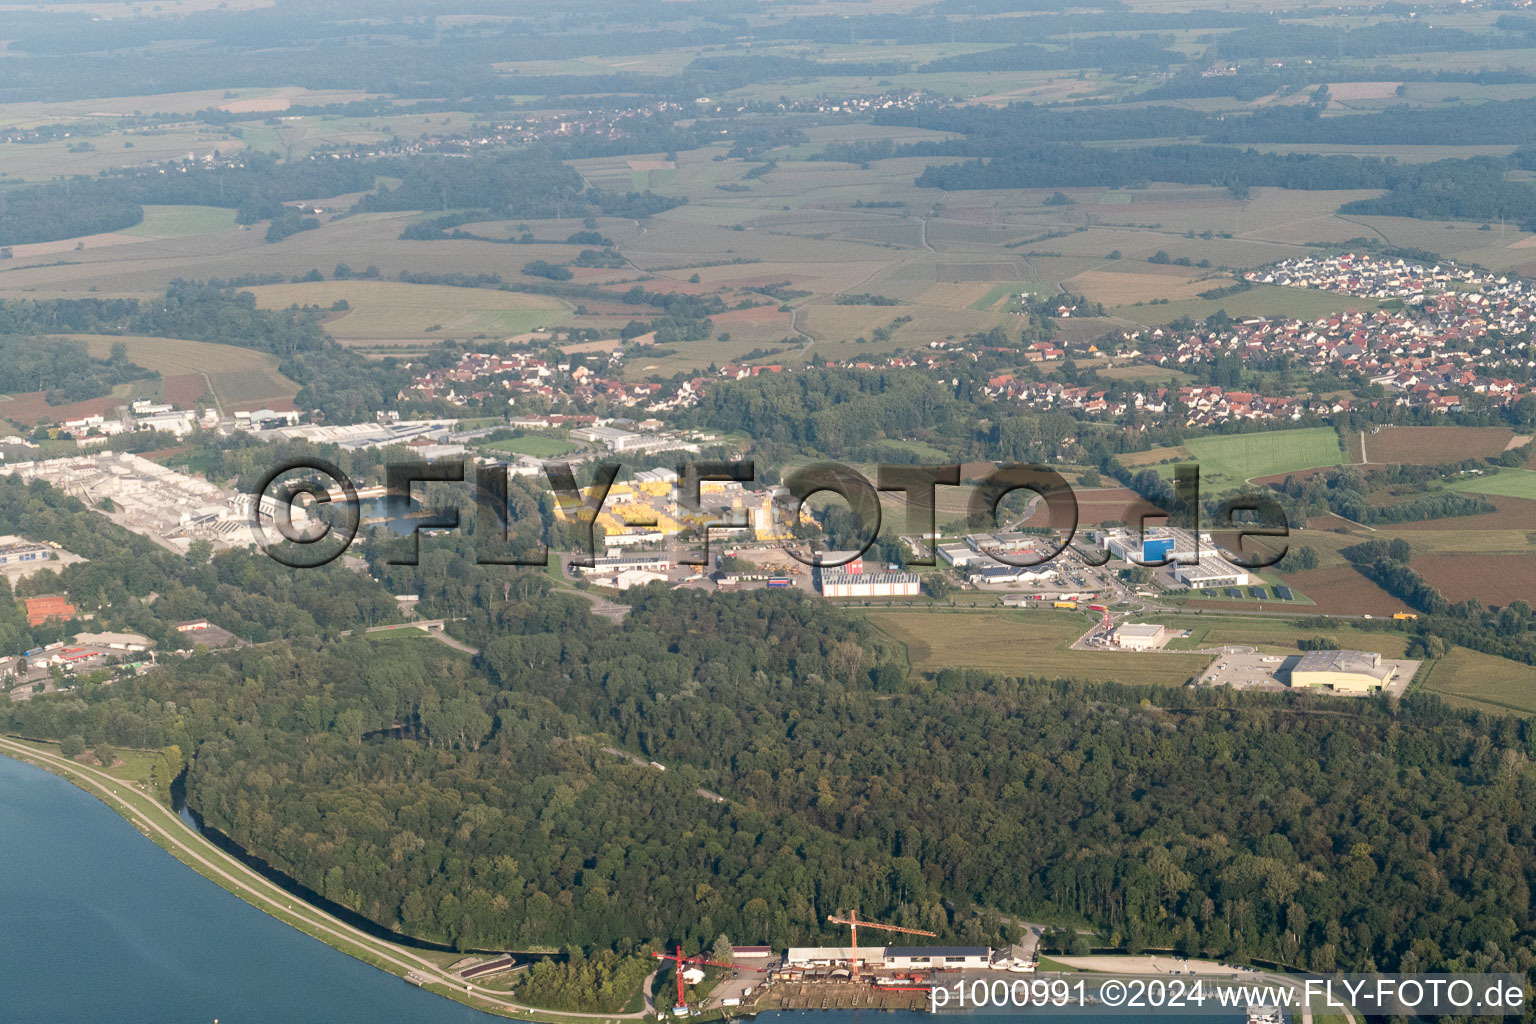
(895, 958)
(1141, 636)
(132, 642)
(937, 958)
(995, 574)
(960, 555)
(840, 582)
(151, 500)
(619, 441)
(15, 551)
(627, 578)
(1212, 571)
(1180, 547)
(622, 563)
(357, 436)
(1343, 671)
(1157, 543)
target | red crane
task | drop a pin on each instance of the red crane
(697, 961)
(852, 920)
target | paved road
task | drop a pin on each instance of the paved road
(601, 606)
(152, 817)
(434, 628)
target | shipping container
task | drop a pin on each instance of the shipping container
(778, 581)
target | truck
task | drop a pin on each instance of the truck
(1065, 604)
(1097, 608)
(1404, 615)
(777, 582)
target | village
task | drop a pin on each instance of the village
(1467, 338)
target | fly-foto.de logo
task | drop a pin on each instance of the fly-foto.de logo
(294, 532)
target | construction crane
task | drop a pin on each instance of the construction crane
(681, 1009)
(852, 921)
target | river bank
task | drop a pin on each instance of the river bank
(161, 825)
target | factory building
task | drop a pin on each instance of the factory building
(1212, 571)
(619, 563)
(841, 583)
(1179, 547)
(1343, 671)
(17, 551)
(894, 958)
(960, 556)
(1158, 542)
(937, 958)
(994, 574)
(1140, 636)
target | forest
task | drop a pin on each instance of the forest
(473, 803)
(63, 369)
(256, 189)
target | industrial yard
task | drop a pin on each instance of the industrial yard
(168, 507)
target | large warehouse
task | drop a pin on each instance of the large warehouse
(1140, 636)
(840, 583)
(891, 957)
(1344, 671)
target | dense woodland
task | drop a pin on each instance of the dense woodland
(63, 368)
(487, 814)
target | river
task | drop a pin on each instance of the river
(98, 925)
(101, 926)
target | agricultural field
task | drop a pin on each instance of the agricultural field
(44, 160)
(1514, 483)
(1491, 579)
(1427, 446)
(1261, 300)
(1136, 460)
(1024, 643)
(1342, 590)
(1484, 682)
(182, 221)
(235, 378)
(1227, 461)
(1120, 287)
(386, 310)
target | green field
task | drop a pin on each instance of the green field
(1511, 483)
(1476, 680)
(1024, 643)
(537, 445)
(1227, 461)
(182, 221)
(1263, 300)
(1274, 635)
(996, 294)
(384, 310)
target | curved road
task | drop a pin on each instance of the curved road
(156, 820)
